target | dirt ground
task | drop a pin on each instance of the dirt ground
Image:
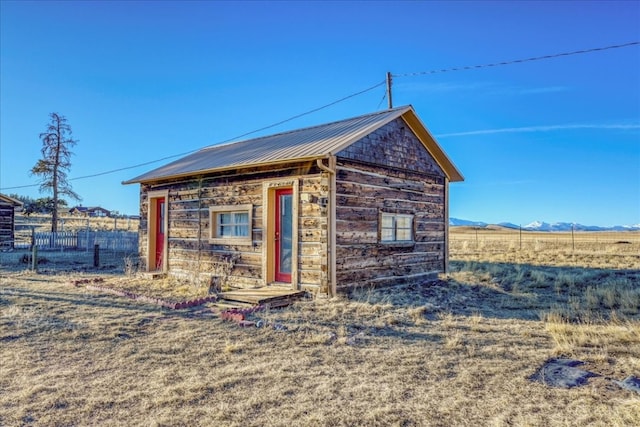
(460, 351)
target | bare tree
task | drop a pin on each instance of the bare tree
(55, 162)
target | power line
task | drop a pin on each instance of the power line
(305, 113)
(220, 142)
(518, 61)
(382, 99)
(419, 73)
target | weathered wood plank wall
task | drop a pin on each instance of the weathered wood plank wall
(192, 257)
(6, 225)
(388, 171)
(362, 260)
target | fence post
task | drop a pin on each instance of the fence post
(520, 236)
(96, 255)
(573, 240)
(34, 258)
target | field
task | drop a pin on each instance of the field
(25, 225)
(456, 352)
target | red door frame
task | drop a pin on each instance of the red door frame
(280, 276)
(160, 231)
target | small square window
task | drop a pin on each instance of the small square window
(231, 224)
(396, 228)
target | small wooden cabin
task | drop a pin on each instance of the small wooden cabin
(358, 202)
(8, 206)
(90, 211)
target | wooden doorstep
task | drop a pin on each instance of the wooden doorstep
(154, 275)
(275, 297)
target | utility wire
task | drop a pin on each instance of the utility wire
(220, 142)
(382, 100)
(420, 73)
(305, 113)
(518, 61)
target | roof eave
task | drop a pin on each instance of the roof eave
(223, 169)
(14, 202)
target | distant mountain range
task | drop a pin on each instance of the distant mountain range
(545, 226)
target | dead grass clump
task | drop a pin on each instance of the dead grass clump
(131, 265)
(564, 282)
(616, 293)
(417, 314)
(454, 342)
(588, 340)
(232, 347)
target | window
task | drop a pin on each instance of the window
(396, 228)
(231, 224)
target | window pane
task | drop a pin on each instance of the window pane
(224, 218)
(403, 221)
(387, 221)
(242, 230)
(403, 234)
(386, 234)
(242, 218)
(225, 230)
(286, 236)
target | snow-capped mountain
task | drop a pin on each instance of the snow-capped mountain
(456, 222)
(545, 226)
(568, 226)
(509, 225)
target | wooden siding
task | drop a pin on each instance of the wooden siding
(6, 224)
(388, 171)
(393, 146)
(192, 257)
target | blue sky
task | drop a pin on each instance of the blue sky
(552, 140)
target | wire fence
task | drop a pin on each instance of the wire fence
(117, 241)
(504, 240)
(71, 251)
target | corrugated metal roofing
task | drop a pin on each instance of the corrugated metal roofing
(307, 143)
(10, 200)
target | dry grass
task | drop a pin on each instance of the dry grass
(67, 222)
(455, 352)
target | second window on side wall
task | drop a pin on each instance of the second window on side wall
(396, 227)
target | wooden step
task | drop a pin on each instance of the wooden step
(270, 296)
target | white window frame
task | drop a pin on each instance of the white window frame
(214, 229)
(395, 220)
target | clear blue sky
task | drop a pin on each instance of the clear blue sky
(552, 140)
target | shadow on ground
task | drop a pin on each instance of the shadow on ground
(517, 291)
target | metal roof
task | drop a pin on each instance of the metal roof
(10, 200)
(301, 144)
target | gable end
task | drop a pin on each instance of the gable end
(394, 145)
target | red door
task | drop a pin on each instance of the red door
(284, 235)
(160, 232)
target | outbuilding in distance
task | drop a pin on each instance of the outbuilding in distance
(357, 202)
(8, 206)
